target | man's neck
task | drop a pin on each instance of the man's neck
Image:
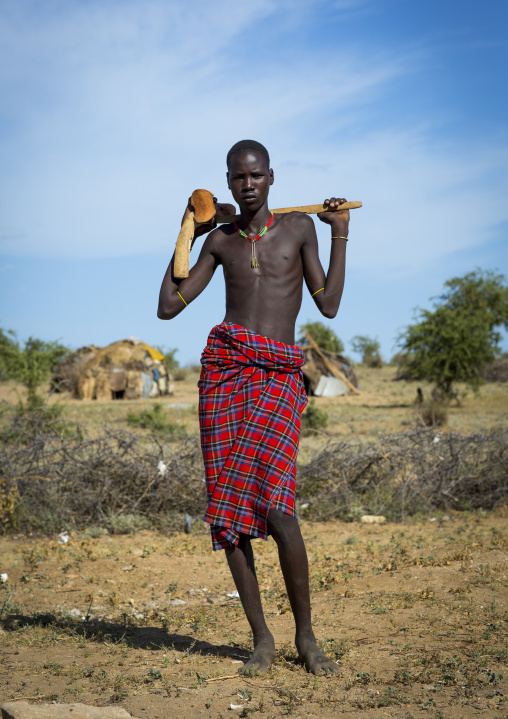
(253, 221)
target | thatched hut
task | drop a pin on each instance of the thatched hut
(65, 374)
(127, 369)
(327, 374)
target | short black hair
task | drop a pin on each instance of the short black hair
(244, 145)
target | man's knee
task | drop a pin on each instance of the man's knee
(282, 526)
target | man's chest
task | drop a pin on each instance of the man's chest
(274, 251)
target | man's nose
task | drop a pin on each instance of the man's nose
(247, 183)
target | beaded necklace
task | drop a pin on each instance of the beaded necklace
(254, 260)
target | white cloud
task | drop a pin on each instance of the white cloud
(117, 110)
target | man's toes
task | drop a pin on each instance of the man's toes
(331, 669)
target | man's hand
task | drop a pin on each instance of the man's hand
(202, 229)
(339, 219)
(220, 209)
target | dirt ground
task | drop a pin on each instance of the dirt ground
(416, 614)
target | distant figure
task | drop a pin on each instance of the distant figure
(251, 385)
(419, 396)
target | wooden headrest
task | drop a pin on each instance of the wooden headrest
(204, 208)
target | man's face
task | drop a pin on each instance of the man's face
(249, 179)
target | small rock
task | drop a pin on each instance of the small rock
(233, 595)
(210, 600)
(372, 519)
(236, 706)
(4, 577)
(63, 538)
(128, 568)
(177, 603)
(24, 710)
(75, 612)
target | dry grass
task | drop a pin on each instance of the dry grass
(416, 612)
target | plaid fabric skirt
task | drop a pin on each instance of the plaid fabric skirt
(251, 397)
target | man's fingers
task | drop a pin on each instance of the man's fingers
(334, 202)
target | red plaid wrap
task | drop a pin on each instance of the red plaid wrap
(251, 397)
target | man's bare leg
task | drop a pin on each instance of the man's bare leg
(241, 563)
(295, 568)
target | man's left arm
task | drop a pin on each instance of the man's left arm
(327, 289)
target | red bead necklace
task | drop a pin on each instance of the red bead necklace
(254, 260)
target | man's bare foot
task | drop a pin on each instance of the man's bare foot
(311, 656)
(261, 659)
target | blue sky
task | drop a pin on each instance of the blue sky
(112, 112)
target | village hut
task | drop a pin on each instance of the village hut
(327, 374)
(127, 369)
(65, 375)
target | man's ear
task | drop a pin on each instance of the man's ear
(227, 180)
(272, 178)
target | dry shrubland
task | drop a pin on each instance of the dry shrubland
(414, 610)
(58, 476)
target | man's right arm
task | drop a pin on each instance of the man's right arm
(176, 294)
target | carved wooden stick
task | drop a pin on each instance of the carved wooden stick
(202, 200)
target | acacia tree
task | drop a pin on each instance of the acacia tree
(30, 365)
(324, 337)
(454, 342)
(8, 349)
(369, 349)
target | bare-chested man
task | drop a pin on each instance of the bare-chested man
(251, 393)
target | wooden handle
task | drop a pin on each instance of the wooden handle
(184, 241)
(183, 248)
(314, 209)
(309, 209)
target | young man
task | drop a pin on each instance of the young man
(251, 389)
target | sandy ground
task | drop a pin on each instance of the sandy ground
(416, 614)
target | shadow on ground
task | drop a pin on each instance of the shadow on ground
(135, 637)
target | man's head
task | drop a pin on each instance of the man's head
(245, 145)
(249, 175)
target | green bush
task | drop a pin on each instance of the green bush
(313, 419)
(36, 418)
(322, 335)
(434, 413)
(455, 341)
(368, 348)
(127, 523)
(155, 420)
(30, 365)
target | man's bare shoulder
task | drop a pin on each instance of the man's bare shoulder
(297, 223)
(217, 236)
